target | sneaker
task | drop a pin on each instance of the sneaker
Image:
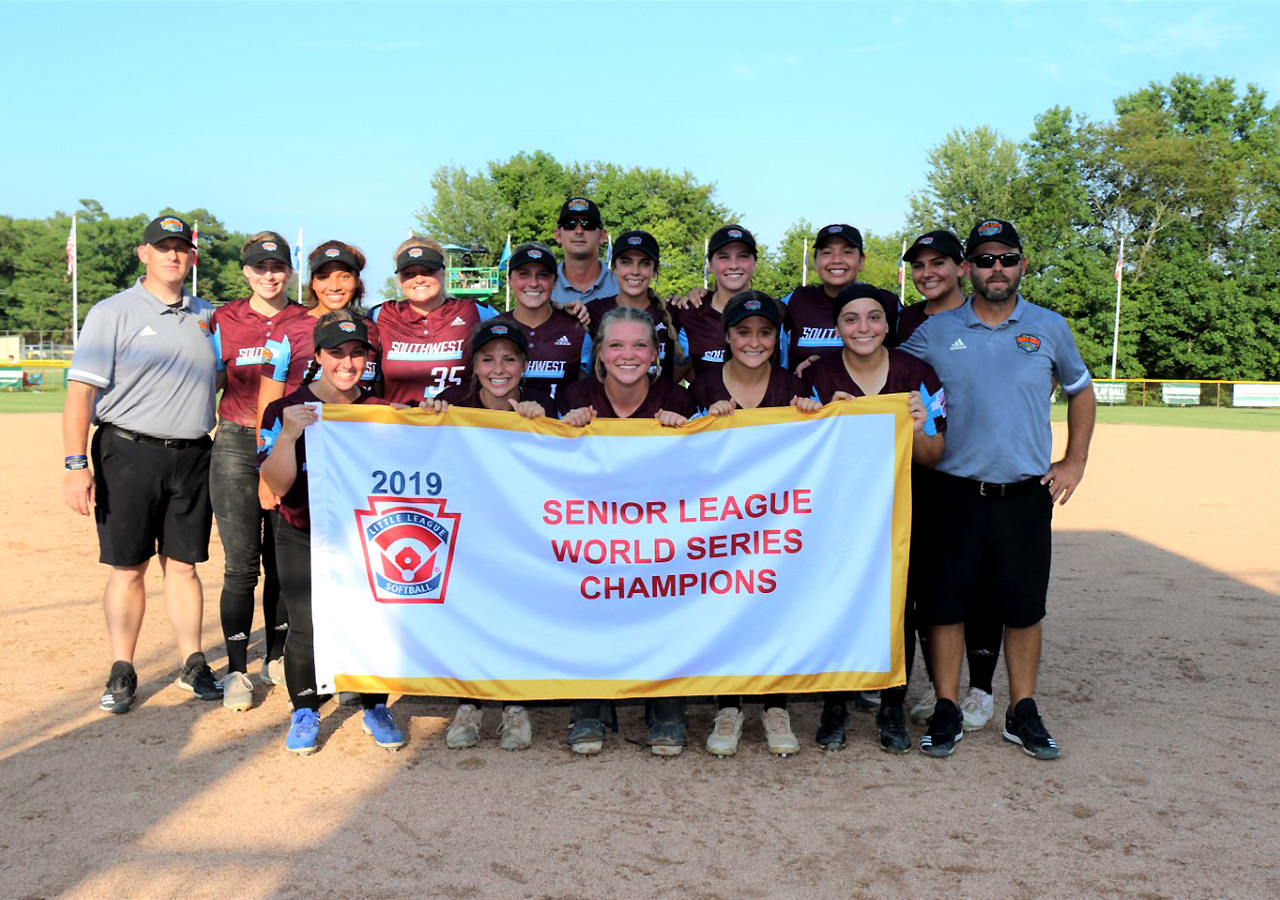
(977, 707)
(892, 726)
(122, 685)
(946, 729)
(464, 730)
(833, 727)
(1022, 725)
(378, 722)
(725, 732)
(586, 736)
(515, 731)
(197, 677)
(273, 671)
(348, 698)
(923, 711)
(237, 691)
(777, 732)
(668, 729)
(304, 730)
(866, 701)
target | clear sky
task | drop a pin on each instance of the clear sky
(334, 116)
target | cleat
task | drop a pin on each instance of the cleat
(273, 671)
(726, 730)
(892, 727)
(921, 712)
(586, 736)
(378, 723)
(833, 727)
(464, 730)
(977, 707)
(237, 691)
(515, 732)
(304, 731)
(777, 732)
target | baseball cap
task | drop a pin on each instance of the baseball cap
(428, 257)
(580, 207)
(941, 240)
(164, 227)
(533, 253)
(995, 230)
(727, 234)
(494, 330)
(340, 253)
(268, 248)
(844, 232)
(748, 304)
(635, 240)
(860, 290)
(328, 335)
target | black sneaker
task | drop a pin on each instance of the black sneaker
(197, 678)
(122, 685)
(833, 727)
(892, 725)
(946, 729)
(1022, 725)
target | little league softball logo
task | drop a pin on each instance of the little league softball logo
(408, 548)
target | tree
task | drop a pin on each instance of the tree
(972, 176)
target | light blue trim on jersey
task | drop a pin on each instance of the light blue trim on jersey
(269, 435)
(585, 361)
(682, 338)
(486, 312)
(375, 312)
(784, 348)
(215, 338)
(281, 354)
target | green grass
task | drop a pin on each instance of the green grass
(31, 401)
(1185, 416)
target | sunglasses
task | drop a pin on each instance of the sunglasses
(584, 224)
(987, 260)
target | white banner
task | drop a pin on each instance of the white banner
(1110, 391)
(1255, 395)
(484, 555)
(1180, 394)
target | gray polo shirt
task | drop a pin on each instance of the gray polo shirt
(999, 382)
(153, 364)
(606, 285)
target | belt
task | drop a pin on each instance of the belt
(995, 488)
(167, 443)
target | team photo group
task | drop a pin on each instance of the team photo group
(179, 413)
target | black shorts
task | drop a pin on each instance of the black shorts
(992, 553)
(150, 499)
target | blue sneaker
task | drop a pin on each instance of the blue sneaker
(304, 730)
(378, 722)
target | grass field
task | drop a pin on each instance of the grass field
(32, 401)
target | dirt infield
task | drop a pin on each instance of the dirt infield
(1159, 681)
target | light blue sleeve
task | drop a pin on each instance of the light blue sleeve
(586, 355)
(486, 312)
(683, 340)
(215, 338)
(784, 349)
(1067, 364)
(281, 351)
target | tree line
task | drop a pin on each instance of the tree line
(1187, 172)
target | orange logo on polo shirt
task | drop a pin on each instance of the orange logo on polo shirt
(204, 326)
(1028, 343)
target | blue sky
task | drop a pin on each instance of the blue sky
(334, 116)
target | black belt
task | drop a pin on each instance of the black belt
(995, 488)
(167, 443)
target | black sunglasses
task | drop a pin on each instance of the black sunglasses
(987, 260)
(584, 224)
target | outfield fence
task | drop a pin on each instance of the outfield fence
(1184, 392)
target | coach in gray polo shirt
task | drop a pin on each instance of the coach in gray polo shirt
(998, 356)
(582, 277)
(145, 373)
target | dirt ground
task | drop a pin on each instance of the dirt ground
(1159, 680)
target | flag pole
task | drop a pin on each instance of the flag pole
(1115, 334)
(804, 262)
(507, 253)
(706, 245)
(902, 276)
(75, 286)
(195, 245)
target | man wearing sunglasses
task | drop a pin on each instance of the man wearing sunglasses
(582, 277)
(998, 357)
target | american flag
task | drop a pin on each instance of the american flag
(1120, 260)
(71, 247)
(195, 245)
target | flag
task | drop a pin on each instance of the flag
(71, 247)
(902, 269)
(804, 262)
(195, 246)
(608, 253)
(1120, 260)
(706, 268)
(506, 253)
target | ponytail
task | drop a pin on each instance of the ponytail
(313, 369)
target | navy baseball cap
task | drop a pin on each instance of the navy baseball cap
(162, 228)
(427, 257)
(844, 232)
(995, 230)
(335, 251)
(635, 240)
(495, 330)
(328, 335)
(580, 208)
(748, 304)
(860, 290)
(727, 234)
(539, 254)
(941, 240)
(267, 248)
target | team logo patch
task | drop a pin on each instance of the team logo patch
(332, 252)
(986, 229)
(925, 240)
(269, 246)
(169, 223)
(635, 240)
(734, 233)
(204, 326)
(752, 304)
(348, 327)
(1028, 343)
(415, 252)
(266, 355)
(534, 254)
(834, 229)
(577, 204)
(497, 329)
(408, 548)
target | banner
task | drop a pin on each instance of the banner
(1255, 395)
(479, 554)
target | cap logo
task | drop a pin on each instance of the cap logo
(415, 252)
(577, 204)
(169, 223)
(332, 252)
(497, 329)
(925, 240)
(269, 246)
(751, 304)
(634, 240)
(734, 233)
(347, 326)
(834, 229)
(534, 254)
(986, 229)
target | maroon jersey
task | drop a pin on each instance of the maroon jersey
(289, 351)
(911, 318)
(293, 505)
(419, 356)
(810, 326)
(555, 350)
(906, 374)
(468, 395)
(702, 328)
(240, 337)
(709, 388)
(663, 394)
(667, 340)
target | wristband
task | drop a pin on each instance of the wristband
(76, 462)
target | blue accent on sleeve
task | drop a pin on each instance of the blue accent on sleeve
(215, 338)
(486, 312)
(930, 402)
(375, 312)
(683, 340)
(787, 299)
(784, 354)
(586, 355)
(269, 436)
(815, 395)
(281, 353)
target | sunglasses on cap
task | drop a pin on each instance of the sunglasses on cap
(987, 260)
(584, 224)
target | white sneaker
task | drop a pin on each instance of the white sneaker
(464, 730)
(777, 732)
(516, 731)
(273, 671)
(725, 732)
(977, 707)
(923, 711)
(237, 691)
